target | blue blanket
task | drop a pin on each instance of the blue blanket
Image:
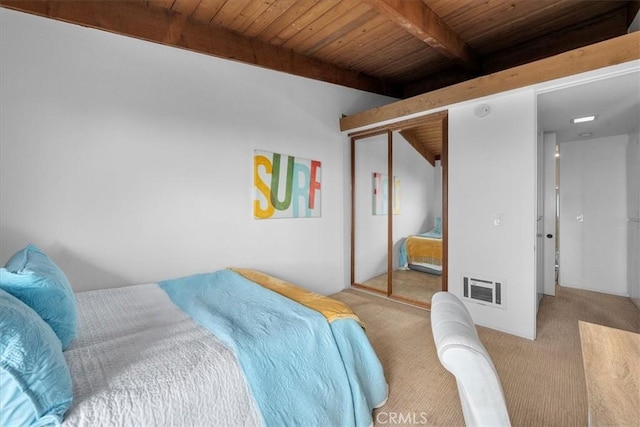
(301, 369)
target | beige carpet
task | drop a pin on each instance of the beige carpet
(410, 284)
(543, 379)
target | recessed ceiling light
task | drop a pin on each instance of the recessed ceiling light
(583, 119)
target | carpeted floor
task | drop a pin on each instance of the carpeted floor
(543, 380)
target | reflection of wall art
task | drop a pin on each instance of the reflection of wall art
(285, 186)
(381, 195)
(396, 195)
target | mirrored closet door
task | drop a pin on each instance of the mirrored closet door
(370, 162)
(417, 220)
(399, 210)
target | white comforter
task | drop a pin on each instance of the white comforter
(139, 361)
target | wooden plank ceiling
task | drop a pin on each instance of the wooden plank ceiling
(399, 48)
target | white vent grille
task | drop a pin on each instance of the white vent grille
(483, 291)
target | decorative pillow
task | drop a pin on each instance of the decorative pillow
(35, 384)
(32, 277)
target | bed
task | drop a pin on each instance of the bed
(423, 252)
(231, 347)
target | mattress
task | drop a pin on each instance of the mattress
(136, 351)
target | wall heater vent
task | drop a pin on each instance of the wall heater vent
(483, 291)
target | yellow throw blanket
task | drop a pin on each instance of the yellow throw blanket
(330, 308)
(424, 250)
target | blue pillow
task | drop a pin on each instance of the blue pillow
(35, 384)
(438, 225)
(32, 277)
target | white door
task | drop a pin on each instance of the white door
(550, 210)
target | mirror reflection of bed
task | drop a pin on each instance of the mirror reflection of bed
(400, 255)
(417, 274)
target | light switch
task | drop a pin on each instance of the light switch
(497, 220)
(580, 218)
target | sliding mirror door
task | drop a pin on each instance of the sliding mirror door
(370, 243)
(417, 235)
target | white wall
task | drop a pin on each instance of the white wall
(131, 162)
(633, 214)
(492, 170)
(593, 184)
(549, 248)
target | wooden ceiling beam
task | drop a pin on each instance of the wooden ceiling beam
(633, 8)
(423, 23)
(603, 27)
(609, 52)
(142, 21)
(436, 81)
(401, 125)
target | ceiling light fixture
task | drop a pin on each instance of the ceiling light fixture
(586, 134)
(583, 119)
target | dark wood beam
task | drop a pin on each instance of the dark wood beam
(603, 27)
(437, 80)
(595, 30)
(610, 52)
(147, 22)
(423, 23)
(633, 8)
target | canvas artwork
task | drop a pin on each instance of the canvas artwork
(381, 195)
(285, 186)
